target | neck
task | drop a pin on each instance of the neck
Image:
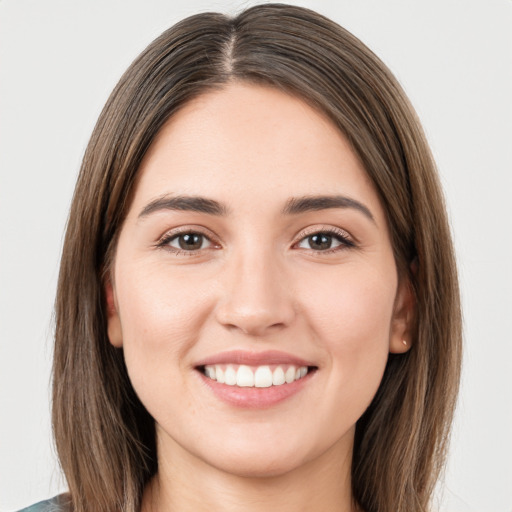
(322, 485)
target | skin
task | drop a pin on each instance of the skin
(256, 283)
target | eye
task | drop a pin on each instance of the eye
(188, 241)
(326, 241)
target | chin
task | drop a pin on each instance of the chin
(250, 465)
(256, 455)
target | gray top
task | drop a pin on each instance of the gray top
(60, 503)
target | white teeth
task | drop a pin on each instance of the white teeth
(230, 376)
(210, 371)
(244, 377)
(249, 377)
(278, 377)
(263, 377)
(290, 375)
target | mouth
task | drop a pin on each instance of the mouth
(261, 376)
(255, 380)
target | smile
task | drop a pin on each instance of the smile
(255, 380)
(254, 377)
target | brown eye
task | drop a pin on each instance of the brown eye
(325, 241)
(189, 241)
(319, 241)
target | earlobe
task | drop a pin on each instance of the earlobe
(403, 319)
(114, 331)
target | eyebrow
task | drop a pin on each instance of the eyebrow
(303, 204)
(185, 203)
(294, 205)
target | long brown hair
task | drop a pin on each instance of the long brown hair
(105, 438)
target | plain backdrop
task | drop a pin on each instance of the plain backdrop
(59, 60)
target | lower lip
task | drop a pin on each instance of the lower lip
(256, 398)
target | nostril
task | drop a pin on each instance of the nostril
(257, 308)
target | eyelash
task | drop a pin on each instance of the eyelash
(338, 234)
(164, 242)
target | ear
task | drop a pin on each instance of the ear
(400, 340)
(114, 331)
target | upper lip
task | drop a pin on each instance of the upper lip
(254, 358)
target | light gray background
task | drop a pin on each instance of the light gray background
(59, 59)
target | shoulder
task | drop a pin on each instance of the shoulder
(60, 503)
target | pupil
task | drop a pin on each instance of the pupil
(190, 241)
(320, 241)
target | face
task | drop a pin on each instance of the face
(254, 289)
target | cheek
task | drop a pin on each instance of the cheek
(354, 304)
(158, 306)
(160, 318)
(350, 313)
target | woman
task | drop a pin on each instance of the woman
(257, 302)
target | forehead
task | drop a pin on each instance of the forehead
(251, 142)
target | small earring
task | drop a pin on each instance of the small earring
(404, 342)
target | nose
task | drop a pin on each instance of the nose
(256, 297)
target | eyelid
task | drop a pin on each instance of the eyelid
(345, 237)
(163, 241)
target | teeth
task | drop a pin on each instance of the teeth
(250, 377)
(244, 377)
(230, 376)
(289, 376)
(263, 377)
(278, 377)
(210, 372)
